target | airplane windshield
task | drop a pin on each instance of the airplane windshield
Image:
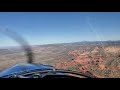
(87, 42)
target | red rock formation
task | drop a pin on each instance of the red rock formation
(84, 62)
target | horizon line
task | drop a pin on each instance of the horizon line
(58, 43)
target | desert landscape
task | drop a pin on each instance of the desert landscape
(101, 59)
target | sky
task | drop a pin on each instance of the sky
(40, 28)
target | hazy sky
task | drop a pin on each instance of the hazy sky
(60, 27)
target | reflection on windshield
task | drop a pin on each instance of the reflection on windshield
(82, 42)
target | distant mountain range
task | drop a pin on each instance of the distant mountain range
(110, 42)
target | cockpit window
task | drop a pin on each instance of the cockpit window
(86, 42)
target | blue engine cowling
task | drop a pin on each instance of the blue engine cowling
(23, 68)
